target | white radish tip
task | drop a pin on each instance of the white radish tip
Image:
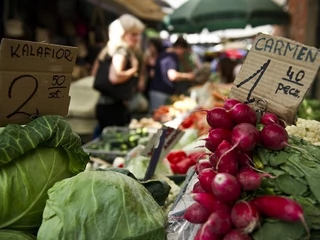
(220, 178)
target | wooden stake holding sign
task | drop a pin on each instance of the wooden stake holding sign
(34, 80)
(277, 72)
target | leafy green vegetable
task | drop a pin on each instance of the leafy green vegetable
(101, 205)
(32, 159)
(6, 234)
(280, 230)
(157, 188)
(290, 186)
(297, 171)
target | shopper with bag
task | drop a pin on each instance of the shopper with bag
(116, 71)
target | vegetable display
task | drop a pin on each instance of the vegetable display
(309, 109)
(32, 159)
(120, 140)
(258, 182)
(101, 205)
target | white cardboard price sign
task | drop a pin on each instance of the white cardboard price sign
(34, 80)
(278, 71)
(172, 137)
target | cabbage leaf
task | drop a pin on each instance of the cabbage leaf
(48, 131)
(7, 234)
(101, 205)
(32, 159)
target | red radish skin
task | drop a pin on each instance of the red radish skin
(219, 118)
(220, 222)
(198, 189)
(242, 113)
(245, 137)
(197, 184)
(209, 146)
(196, 213)
(206, 233)
(216, 136)
(236, 234)
(281, 208)
(226, 187)
(213, 160)
(245, 216)
(250, 180)
(274, 137)
(206, 177)
(201, 165)
(210, 202)
(269, 118)
(227, 159)
(244, 158)
(230, 103)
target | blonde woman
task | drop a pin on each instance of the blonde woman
(123, 46)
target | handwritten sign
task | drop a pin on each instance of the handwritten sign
(172, 136)
(34, 80)
(278, 71)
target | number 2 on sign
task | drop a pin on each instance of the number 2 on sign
(18, 109)
(261, 71)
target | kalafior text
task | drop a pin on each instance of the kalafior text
(28, 50)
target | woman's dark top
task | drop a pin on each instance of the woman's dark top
(161, 82)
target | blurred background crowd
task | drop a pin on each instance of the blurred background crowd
(169, 51)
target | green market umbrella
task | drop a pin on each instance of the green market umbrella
(225, 14)
(184, 27)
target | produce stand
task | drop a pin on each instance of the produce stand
(117, 142)
(208, 165)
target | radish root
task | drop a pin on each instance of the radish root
(224, 154)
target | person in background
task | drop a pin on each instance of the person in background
(225, 70)
(123, 46)
(154, 48)
(189, 62)
(167, 74)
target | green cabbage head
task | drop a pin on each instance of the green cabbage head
(6, 234)
(32, 159)
(104, 205)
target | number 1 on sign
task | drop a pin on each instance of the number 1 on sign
(261, 71)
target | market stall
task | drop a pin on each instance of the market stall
(228, 162)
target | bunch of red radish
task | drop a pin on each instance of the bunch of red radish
(229, 171)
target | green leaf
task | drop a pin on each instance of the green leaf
(278, 158)
(290, 186)
(6, 234)
(315, 235)
(292, 170)
(32, 159)
(158, 189)
(273, 171)
(262, 156)
(101, 205)
(120, 170)
(46, 131)
(311, 212)
(302, 180)
(312, 176)
(278, 230)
